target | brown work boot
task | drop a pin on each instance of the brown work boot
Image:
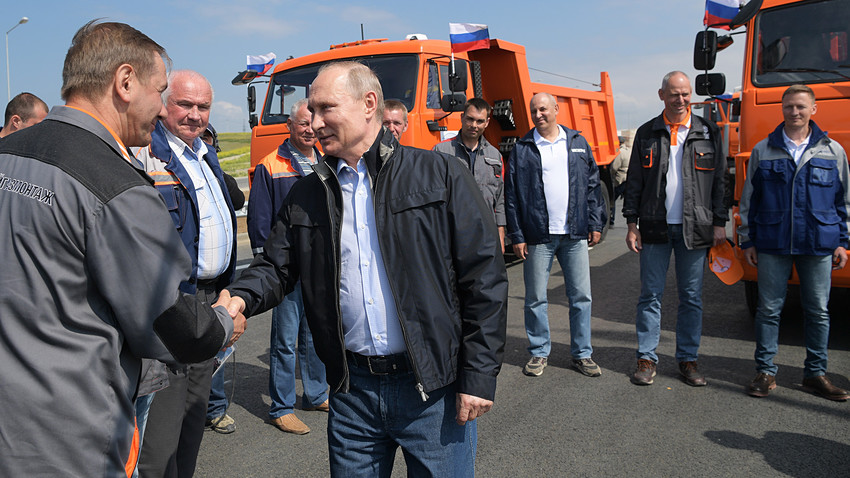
(645, 372)
(322, 407)
(291, 424)
(821, 385)
(761, 385)
(691, 374)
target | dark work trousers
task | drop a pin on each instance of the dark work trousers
(176, 420)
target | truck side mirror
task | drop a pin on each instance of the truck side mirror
(252, 120)
(711, 84)
(243, 77)
(252, 99)
(452, 102)
(705, 50)
(458, 76)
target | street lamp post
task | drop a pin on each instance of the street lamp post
(8, 76)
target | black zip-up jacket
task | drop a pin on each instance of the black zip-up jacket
(703, 167)
(441, 251)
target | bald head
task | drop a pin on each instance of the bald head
(544, 114)
(188, 100)
(675, 92)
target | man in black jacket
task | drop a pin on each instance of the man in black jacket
(673, 204)
(403, 283)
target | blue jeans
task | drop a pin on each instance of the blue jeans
(381, 413)
(815, 280)
(143, 406)
(690, 268)
(218, 399)
(572, 256)
(289, 334)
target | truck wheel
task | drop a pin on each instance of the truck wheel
(607, 199)
(751, 292)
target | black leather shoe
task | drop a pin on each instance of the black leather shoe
(691, 374)
(761, 385)
(821, 385)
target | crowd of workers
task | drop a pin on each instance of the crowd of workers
(383, 264)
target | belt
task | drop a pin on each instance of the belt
(207, 284)
(380, 364)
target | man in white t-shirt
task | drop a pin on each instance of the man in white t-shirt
(559, 218)
(673, 204)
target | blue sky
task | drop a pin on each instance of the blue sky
(636, 41)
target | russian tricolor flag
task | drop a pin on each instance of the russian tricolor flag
(468, 36)
(720, 11)
(261, 63)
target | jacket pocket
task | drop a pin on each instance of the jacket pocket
(821, 172)
(170, 194)
(769, 231)
(773, 170)
(703, 156)
(827, 231)
(496, 164)
(648, 154)
(418, 199)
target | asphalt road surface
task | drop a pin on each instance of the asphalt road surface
(565, 424)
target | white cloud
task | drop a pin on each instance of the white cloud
(228, 118)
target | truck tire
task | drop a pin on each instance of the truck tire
(751, 292)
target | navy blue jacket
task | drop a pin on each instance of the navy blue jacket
(796, 209)
(169, 177)
(525, 202)
(273, 178)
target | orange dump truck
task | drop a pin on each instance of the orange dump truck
(418, 73)
(787, 42)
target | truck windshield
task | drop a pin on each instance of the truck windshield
(804, 42)
(397, 74)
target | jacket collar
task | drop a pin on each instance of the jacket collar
(286, 150)
(775, 139)
(529, 137)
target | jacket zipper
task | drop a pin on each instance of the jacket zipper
(419, 387)
(334, 249)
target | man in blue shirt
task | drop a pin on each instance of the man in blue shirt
(403, 284)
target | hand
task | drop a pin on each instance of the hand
(719, 235)
(521, 250)
(234, 305)
(502, 237)
(470, 407)
(839, 258)
(751, 256)
(593, 238)
(240, 324)
(633, 238)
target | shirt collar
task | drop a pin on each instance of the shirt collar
(674, 127)
(540, 140)
(198, 149)
(791, 144)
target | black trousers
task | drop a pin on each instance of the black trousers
(176, 419)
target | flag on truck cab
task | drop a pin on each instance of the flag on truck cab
(720, 11)
(468, 36)
(261, 63)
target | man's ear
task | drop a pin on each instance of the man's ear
(15, 123)
(124, 81)
(371, 103)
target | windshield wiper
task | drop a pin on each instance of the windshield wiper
(807, 70)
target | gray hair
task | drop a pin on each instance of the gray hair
(668, 76)
(176, 74)
(297, 106)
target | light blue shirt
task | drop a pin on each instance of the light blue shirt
(796, 150)
(215, 236)
(370, 320)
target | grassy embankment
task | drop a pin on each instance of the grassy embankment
(235, 155)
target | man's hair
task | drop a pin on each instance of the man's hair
(24, 106)
(359, 80)
(666, 79)
(395, 105)
(96, 52)
(479, 104)
(794, 89)
(174, 75)
(297, 106)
